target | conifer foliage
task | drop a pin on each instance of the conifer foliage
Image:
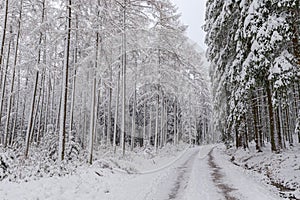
(253, 47)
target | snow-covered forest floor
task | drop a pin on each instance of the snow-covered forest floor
(279, 172)
(184, 173)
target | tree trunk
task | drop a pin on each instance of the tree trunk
(116, 113)
(74, 81)
(190, 121)
(255, 121)
(175, 124)
(271, 117)
(31, 115)
(17, 110)
(165, 124)
(3, 33)
(109, 116)
(150, 125)
(94, 100)
(92, 120)
(133, 134)
(161, 122)
(156, 123)
(144, 129)
(279, 127)
(52, 106)
(48, 99)
(63, 105)
(3, 89)
(124, 58)
(85, 125)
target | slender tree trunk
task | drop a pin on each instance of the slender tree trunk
(190, 121)
(175, 124)
(116, 113)
(271, 117)
(84, 131)
(289, 135)
(177, 127)
(124, 58)
(203, 137)
(298, 137)
(165, 124)
(63, 105)
(237, 136)
(156, 123)
(17, 110)
(92, 120)
(133, 134)
(255, 121)
(109, 116)
(72, 103)
(31, 115)
(74, 80)
(48, 86)
(3, 33)
(42, 93)
(259, 119)
(36, 111)
(197, 141)
(279, 127)
(24, 102)
(94, 98)
(150, 125)
(262, 118)
(161, 123)
(58, 112)
(247, 131)
(4, 140)
(52, 106)
(144, 129)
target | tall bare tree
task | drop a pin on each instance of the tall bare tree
(63, 105)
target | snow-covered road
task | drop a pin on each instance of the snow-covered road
(203, 173)
(200, 173)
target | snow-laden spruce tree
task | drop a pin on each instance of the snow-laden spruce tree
(222, 18)
(258, 74)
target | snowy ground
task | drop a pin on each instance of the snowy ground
(191, 174)
(279, 172)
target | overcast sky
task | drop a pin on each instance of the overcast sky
(193, 15)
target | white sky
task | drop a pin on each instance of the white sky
(193, 15)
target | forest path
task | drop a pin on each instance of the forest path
(200, 173)
(188, 179)
(204, 173)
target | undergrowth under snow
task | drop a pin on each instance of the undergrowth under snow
(15, 168)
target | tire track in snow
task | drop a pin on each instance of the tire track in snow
(183, 174)
(217, 178)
